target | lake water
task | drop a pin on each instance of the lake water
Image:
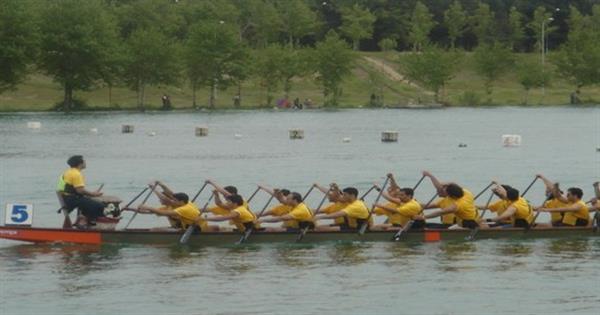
(249, 147)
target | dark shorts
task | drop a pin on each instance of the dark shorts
(438, 226)
(521, 223)
(470, 224)
(90, 208)
(579, 222)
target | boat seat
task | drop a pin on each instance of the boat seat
(67, 224)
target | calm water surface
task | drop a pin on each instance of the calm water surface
(511, 276)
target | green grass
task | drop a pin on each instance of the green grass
(39, 92)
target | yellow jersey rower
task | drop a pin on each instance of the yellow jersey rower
(337, 203)
(282, 208)
(400, 215)
(299, 217)
(576, 213)
(356, 212)
(518, 212)
(183, 210)
(240, 215)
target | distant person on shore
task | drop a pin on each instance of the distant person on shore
(71, 186)
(297, 104)
(237, 100)
(308, 103)
(166, 102)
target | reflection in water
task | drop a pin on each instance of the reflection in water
(569, 249)
(512, 255)
(454, 256)
(296, 256)
(348, 254)
(236, 260)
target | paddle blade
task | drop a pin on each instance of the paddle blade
(188, 233)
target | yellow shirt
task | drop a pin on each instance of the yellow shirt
(216, 210)
(335, 207)
(442, 203)
(499, 207)
(381, 211)
(300, 213)
(523, 210)
(72, 177)
(245, 216)
(555, 203)
(187, 213)
(407, 211)
(356, 210)
(465, 207)
(281, 210)
(571, 217)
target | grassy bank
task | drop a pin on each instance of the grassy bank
(40, 93)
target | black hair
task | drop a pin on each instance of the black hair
(576, 191)
(351, 191)
(183, 197)
(237, 199)
(408, 191)
(454, 191)
(284, 191)
(231, 189)
(512, 194)
(506, 188)
(296, 196)
(75, 160)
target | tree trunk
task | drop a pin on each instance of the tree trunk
(109, 95)
(68, 101)
(141, 92)
(287, 87)
(194, 87)
(239, 94)
(211, 101)
(356, 44)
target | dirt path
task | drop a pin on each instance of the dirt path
(390, 72)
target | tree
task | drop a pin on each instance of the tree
(541, 19)
(214, 57)
(357, 23)
(267, 65)
(421, 24)
(455, 20)
(530, 76)
(18, 35)
(333, 61)
(579, 58)
(77, 41)
(151, 60)
(432, 68)
(388, 44)
(259, 22)
(299, 19)
(491, 61)
(482, 24)
(516, 29)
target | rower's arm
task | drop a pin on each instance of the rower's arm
(573, 208)
(82, 191)
(553, 187)
(219, 188)
(507, 214)
(441, 212)
(393, 182)
(277, 219)
(556, 193)
(321, 188)
(267, 190)
(228, 217)
(389, 209)
(167, 191)
(390, 198)
(499, 189)
(331, 215)
(218, 200)
(597, 189)
(436, 183)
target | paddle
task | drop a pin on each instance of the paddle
(186, 236)
(143, 202)
(484, 190)
(305, 229)
(251, 229)
(199, 192)
(419, 182)
(367, 193)
(364, 226)
(476, 230)
(538, 213)
(596, 221)
(134, 199)
(398, 234)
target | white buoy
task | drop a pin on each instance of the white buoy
(152, 133)
(127, 129)
(94, 130)
(389, 136)
(34, 125)
(346, 139)
(237, 136)
(296, 134)
(201, 132)
(511, 140)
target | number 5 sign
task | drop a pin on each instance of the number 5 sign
(18, 214)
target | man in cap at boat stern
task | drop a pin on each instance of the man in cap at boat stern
(71, 187)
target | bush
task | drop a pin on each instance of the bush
(470, 98)
(78, 104)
